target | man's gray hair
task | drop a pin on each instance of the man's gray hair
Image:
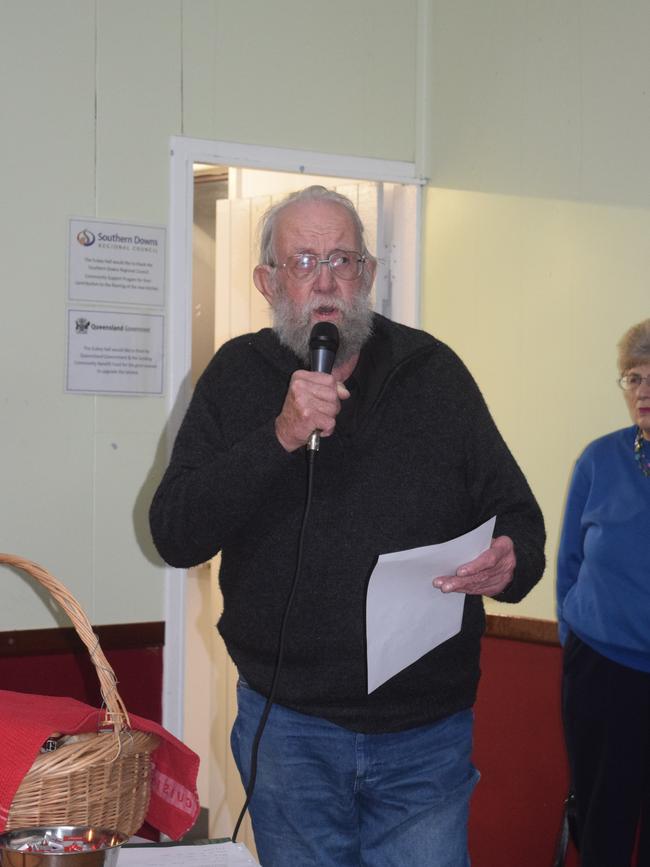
(315, 193)
(634, 346)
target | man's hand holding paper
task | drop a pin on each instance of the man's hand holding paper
(486, 575)
(406, 616)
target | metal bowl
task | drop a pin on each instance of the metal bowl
(106, 856)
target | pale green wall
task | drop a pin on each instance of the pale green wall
(325, 75)
(538, 218)
(530, 117)
(90, 94)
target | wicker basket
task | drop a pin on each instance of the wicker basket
(102, 779)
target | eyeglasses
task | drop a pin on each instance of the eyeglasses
(633, 380)
(346, 264)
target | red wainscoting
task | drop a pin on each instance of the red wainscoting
(519, 749)
(55, 662)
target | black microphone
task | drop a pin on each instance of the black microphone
(323, 345)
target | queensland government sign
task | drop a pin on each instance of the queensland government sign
(114, 352)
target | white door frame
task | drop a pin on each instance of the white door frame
(184, 153)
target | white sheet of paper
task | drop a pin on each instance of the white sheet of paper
(406, 616)
(225, 854)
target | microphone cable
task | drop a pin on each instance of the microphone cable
(311, 453)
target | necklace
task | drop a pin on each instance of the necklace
(639, 454)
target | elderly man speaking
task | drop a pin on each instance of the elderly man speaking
(406, 454)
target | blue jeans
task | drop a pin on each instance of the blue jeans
(331, 797)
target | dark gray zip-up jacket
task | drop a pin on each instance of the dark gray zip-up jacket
(415, 460)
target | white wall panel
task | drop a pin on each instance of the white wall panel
(260, 310)
(222, 300)
(240, 266)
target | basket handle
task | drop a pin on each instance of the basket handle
(116, 714)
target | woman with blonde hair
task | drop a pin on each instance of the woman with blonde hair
(603, 591)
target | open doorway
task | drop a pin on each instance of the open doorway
(219, 192)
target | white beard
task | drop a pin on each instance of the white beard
(293, 324)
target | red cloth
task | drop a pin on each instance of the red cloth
(26, 721)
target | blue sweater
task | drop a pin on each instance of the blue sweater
(603, 571)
